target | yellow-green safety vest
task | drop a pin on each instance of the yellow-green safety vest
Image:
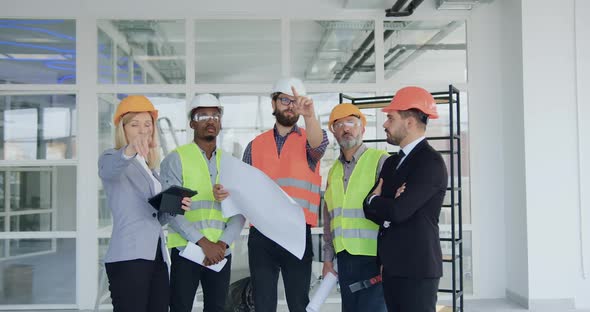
(351, 231)
(207, 213)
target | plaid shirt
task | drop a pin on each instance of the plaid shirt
(313, 154)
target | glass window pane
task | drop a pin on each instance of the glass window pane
(2, 197)
(38, 271)
(172, 123)
(141, 52)
(333, 51)
(31, 222)
(37, 51)
(30, 190)
(425, 52)
(237, 51)
(41, 199)
(37, 127)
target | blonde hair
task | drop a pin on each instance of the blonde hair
(153, 159)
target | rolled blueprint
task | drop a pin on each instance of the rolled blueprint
(326, 286)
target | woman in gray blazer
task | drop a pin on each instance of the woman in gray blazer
(136, 258)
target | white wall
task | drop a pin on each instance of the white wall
(513, 145)
(550, 123)
(485, 129)
(582, 28)
(524, 119)
(497, 150)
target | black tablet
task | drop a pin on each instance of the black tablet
(170, 200)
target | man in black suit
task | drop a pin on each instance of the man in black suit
(406, 203)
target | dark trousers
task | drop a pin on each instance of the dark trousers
(266, 259)
(410, 294)
(352, 269)
(185, 276)
(139, 285)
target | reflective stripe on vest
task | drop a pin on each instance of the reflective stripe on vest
(205, 214)
(296, 187)
(290, 170)
(351, 231)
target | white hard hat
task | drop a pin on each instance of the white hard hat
(205, 100)
(284, 85)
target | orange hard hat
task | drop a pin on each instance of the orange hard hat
(135, 104)
(413, 97)
(344, 110)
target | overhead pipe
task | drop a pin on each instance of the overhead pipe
(354, 56)
(390, 51)
(394, 57)
(365, 57)
(398, 5)
(394, 11)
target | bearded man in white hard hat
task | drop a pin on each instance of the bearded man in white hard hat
(196, 166)
(291, 157)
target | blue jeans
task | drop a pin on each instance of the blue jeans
(352, 269)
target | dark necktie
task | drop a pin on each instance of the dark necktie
(398, 158)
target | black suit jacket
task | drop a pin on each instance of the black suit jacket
(410, 246)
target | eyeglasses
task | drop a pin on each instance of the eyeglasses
(205, 117)
(286, 101)
(348, 123)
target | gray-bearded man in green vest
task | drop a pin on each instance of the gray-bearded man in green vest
(196, 166)
(348, 235)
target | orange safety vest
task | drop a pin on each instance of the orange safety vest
(290, 170)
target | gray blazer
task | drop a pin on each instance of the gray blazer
(136, 224)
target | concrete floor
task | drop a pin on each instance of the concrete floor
(491, 305)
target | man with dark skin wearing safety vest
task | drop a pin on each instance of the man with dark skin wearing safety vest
(196, 166)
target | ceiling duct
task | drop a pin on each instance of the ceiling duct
(459, 4)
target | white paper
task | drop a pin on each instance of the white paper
(324, 290)
(257, 197)
(195, 254)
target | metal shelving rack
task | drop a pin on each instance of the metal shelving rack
(450, 98)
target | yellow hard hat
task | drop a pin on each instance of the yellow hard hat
(135, 104)
(344, 110)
